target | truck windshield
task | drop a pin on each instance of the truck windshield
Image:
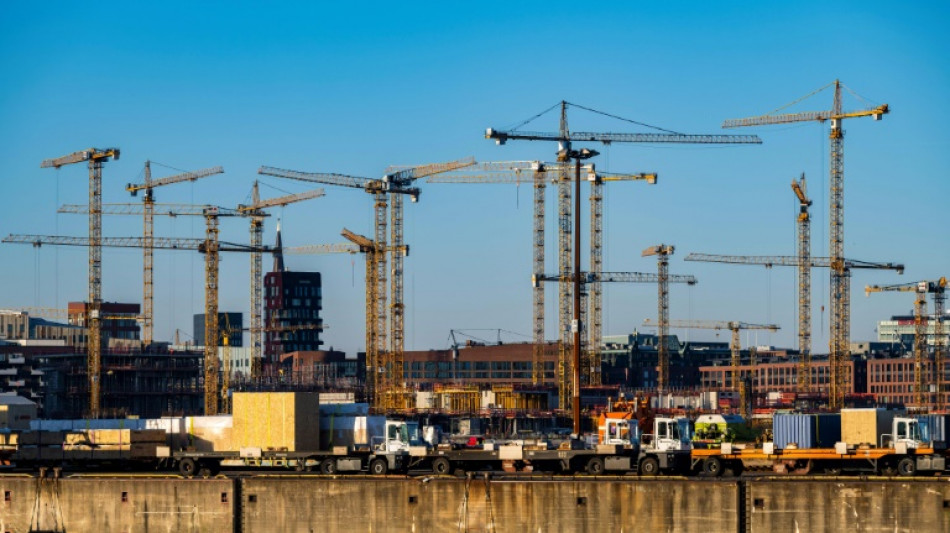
(914, 431)
(675, 431)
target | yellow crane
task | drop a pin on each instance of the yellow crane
(564, 374)
(210, 246)
(95, 158)
(564, 137)
(148, 219)
(840, 281)
(538, 174)
(804, 289)
(662, 253)
(803, 225)
(256, 214)
(734, 346)
(388, 193)
(921, 289)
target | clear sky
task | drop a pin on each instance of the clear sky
(353, 88)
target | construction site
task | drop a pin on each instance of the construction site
(376, 296)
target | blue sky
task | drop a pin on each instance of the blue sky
(355, 88)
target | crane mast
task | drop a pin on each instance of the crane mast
(840, 285)
(210, 246)
(256, 215)
(588, 279)
(662, 253)
(804, 285)
(803, 262)
(390, 393)
(95, 158)
(148, 223)
(921, 289)
(564, 137)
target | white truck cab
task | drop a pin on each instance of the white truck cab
(666, 436)
(905, 432)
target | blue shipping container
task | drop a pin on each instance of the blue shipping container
(806, 430)
(933, 427)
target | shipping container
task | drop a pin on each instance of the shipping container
(933, 428)
(866, 426)
(806, 430)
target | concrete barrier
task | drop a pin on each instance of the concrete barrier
(805, 504)
(452, 505)
(357, 503)
(117, 504)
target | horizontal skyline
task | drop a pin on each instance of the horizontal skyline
(356, 89)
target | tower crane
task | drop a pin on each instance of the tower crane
(95, 158)
(389, 189)
(734, 345)
(840, 344)
(148, 218)
(375, 373)
(591, 278)
(254, 211)
(804, 289)
(256, 214)
(803, 225)
(662, 253)
(564, 137)
(920, 290)
(210, 246)
(537, 173)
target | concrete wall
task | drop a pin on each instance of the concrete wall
(356, 503)
(802, 504)
(450, 505)
(116, 504)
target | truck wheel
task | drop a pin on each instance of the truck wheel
(378, 467)
(712, 466)
(906, 467)
(328, 467)
(441, 466)
(595, 466)
(649, 467)
(187, 467)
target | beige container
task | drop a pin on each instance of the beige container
(865, 426)
(209, 434)
(276, 420)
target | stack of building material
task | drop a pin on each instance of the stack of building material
(276, 420)
(206, 434)
(806, 430)
(865, 426)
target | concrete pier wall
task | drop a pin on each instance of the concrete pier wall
(357, 503)
(801, 504)
(451, 505)
(116, 504)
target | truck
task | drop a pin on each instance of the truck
(386, 453)
(901, 452)
(619, 449)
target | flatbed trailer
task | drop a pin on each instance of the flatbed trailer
(888, 461)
